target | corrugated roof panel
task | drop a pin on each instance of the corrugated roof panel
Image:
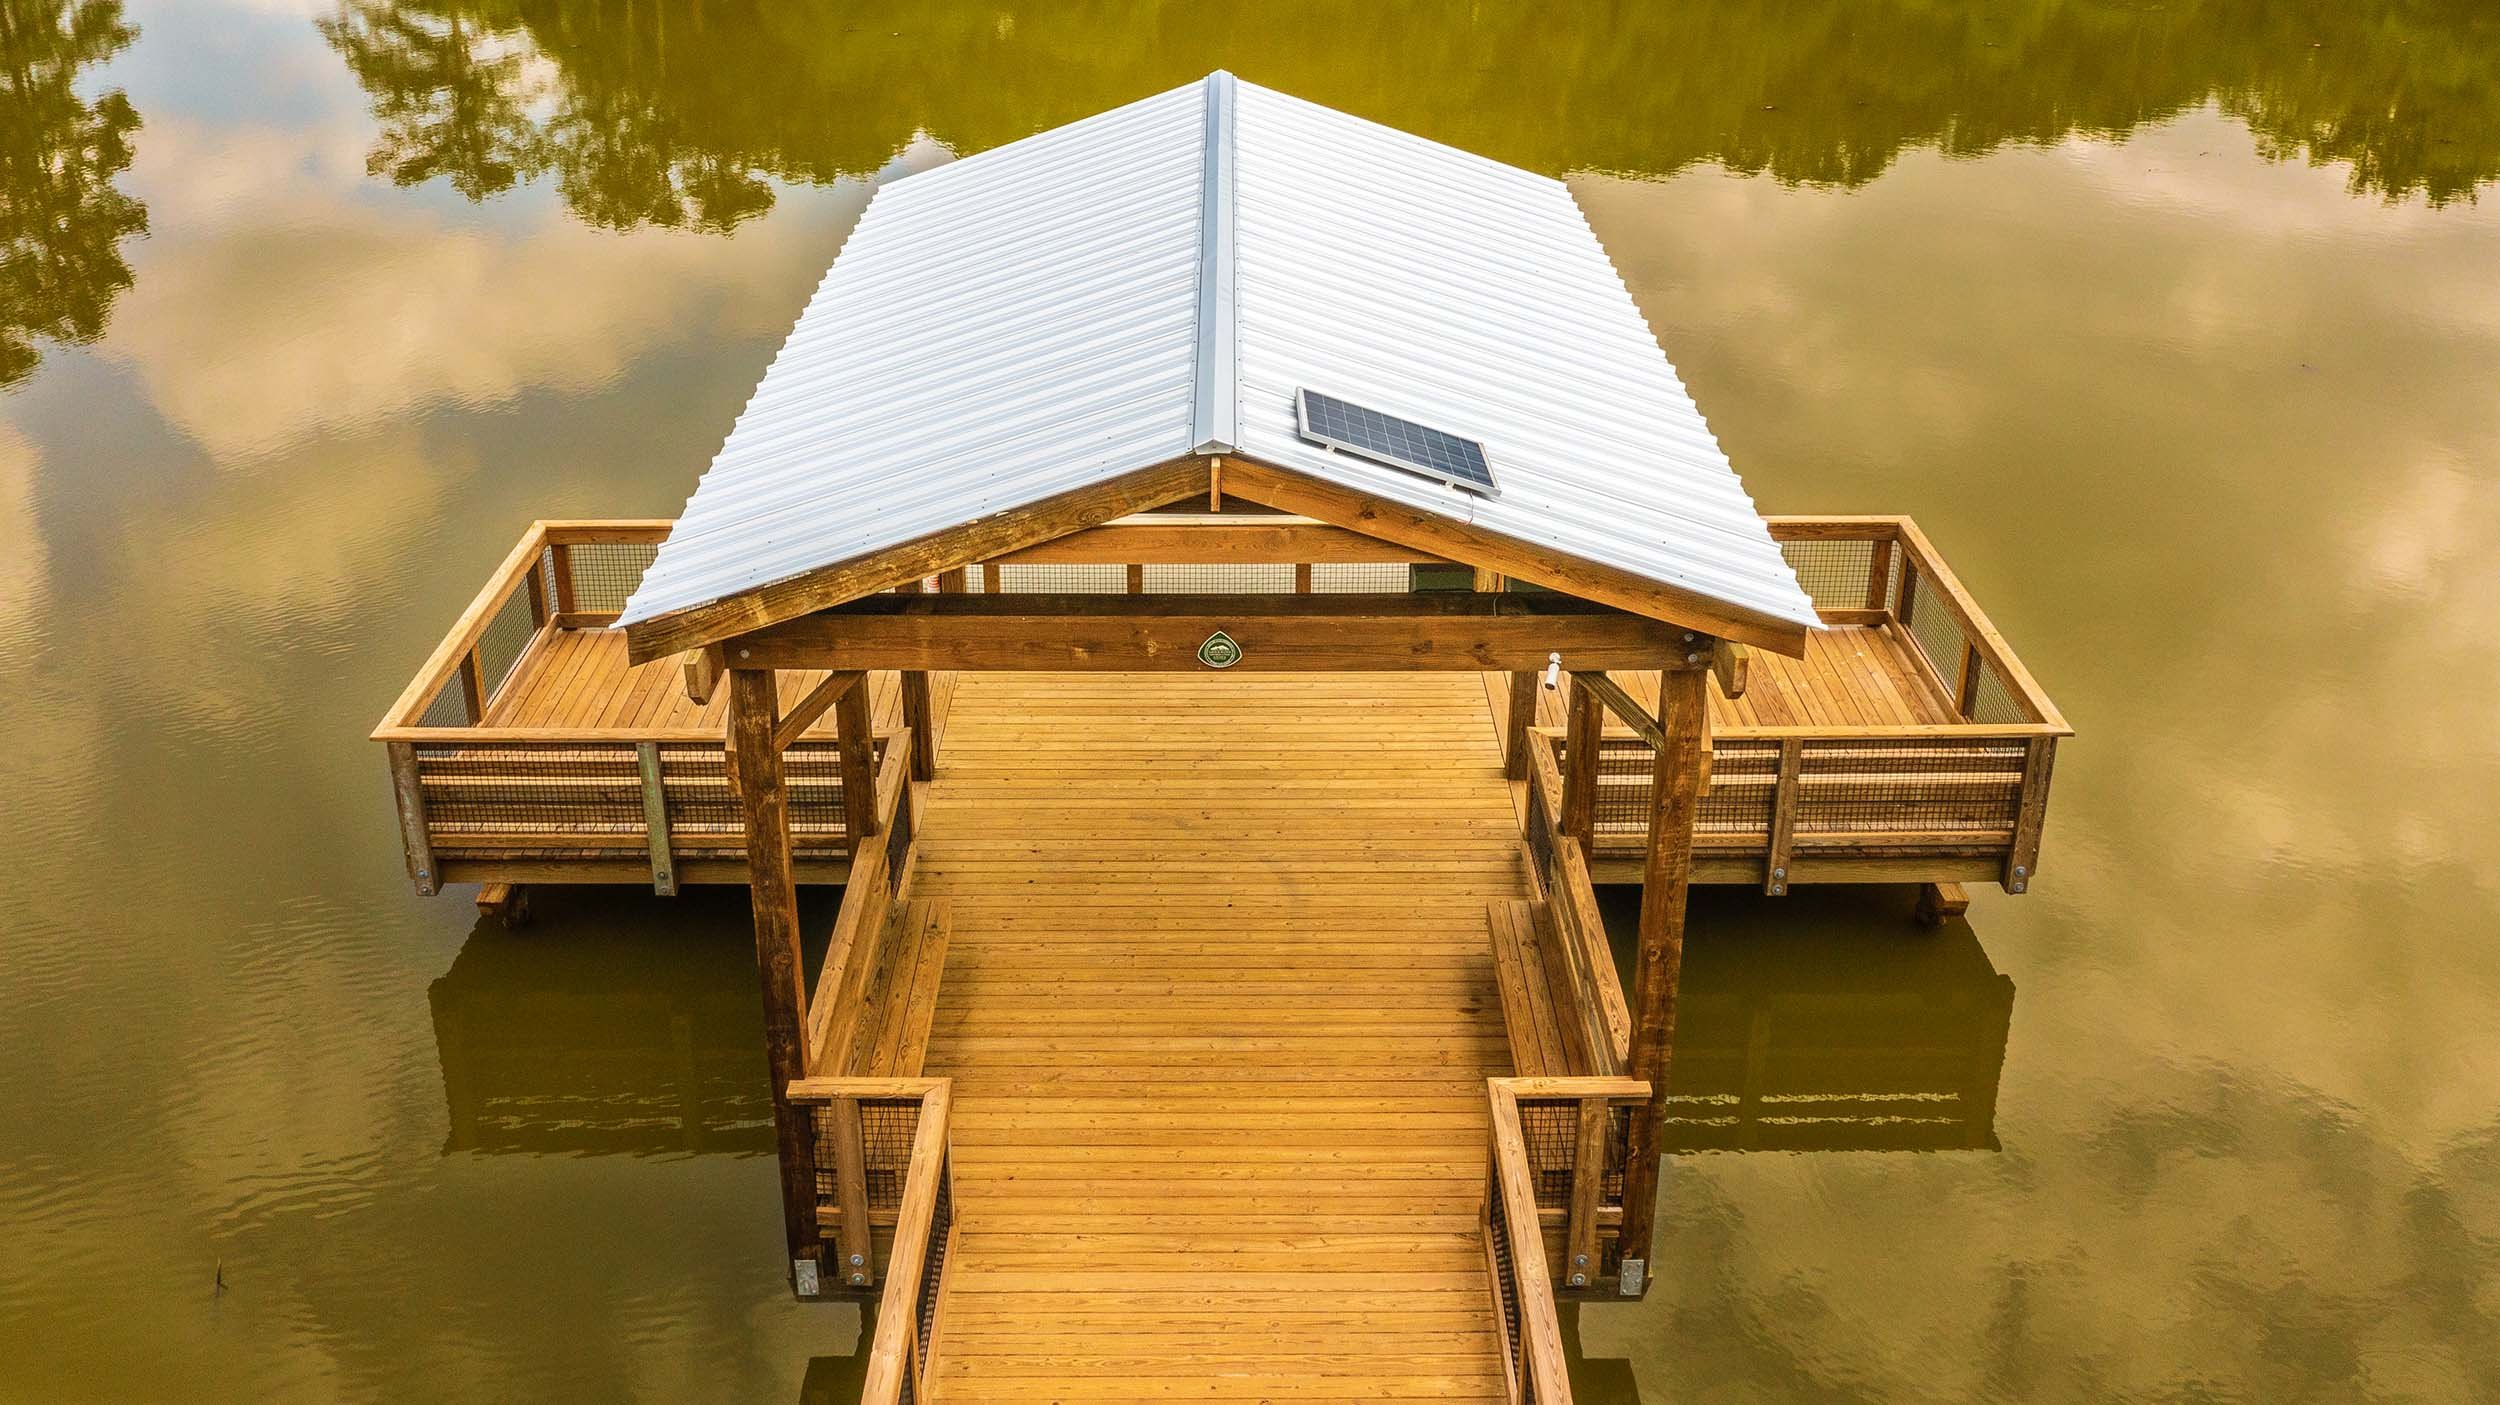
(996, 331)
(1164, 277)
(1470, 296)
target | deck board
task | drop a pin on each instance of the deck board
(1851, 676)
(580, 678)
(1219, 1008)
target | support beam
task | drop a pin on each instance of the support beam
(773, 896)
(1456, 631)
(803, 713)
(859, 777)
(1583, 734)
(1683, 703)
(917, 710)
(1623, 705)
(1208, 541)
(1732, 664)
(703, 671)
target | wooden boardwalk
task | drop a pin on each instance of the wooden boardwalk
(1219, 1013)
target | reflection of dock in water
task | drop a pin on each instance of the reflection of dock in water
(601, 1040)
(1817, 1026)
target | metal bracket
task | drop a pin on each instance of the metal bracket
(803, 1277)
(1635, 1274)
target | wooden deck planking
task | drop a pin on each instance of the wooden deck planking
(1851, 676)
(1219, 1008)
(580, 678)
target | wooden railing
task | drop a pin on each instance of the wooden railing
(491, 797)
(878, 877)
(1553, 1207)
(1560, 865)
(1969, 796)
(897, 1219)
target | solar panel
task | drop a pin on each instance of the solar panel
(1417, 448)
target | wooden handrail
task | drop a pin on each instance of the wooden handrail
(1538, 1373)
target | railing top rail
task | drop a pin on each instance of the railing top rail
(1540, 1329)
(825, 1090)
(891, 1357)
(602, 736)
(594, 531)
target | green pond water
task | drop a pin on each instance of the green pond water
(2177, 326)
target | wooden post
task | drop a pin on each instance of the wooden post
(472, 688)
(2022, 860)
(850, 1182)
(1784, 799)
(537, 597)
(408, 789)
(1675, 788)
(772, 892)
(1522, 716)
(1966, 692)
(859, 775)
(1136, 578)
(1583, 738)
(916, 710)
(655, 820)
(1588, 1176)
(565, 600)
(1302, 578)
(1879, 574)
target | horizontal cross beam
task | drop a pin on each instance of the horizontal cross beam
(1208, 541)
(1400, 633)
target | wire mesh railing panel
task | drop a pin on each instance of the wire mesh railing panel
(1551, 1128)
(933, 1261)
(510, 793)
(1993, 701)
(1834, 574)
(811, 774)
(1626, 769)
(449, 707)
(1073, 579)
(1939, 636)
(703, 807)
(605, 573)
(1506, 1289)
(1232, 579)
(1362, 578)
(887, 1127)
(1744, 782)
(1878, 786)
(508, 635)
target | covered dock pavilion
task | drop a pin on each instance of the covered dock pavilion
(1219, 583)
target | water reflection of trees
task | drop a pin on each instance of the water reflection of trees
(61, 219)
(674, 112)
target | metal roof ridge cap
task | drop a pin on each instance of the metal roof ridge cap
(1215, 409)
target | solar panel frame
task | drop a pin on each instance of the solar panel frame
(1339, 424)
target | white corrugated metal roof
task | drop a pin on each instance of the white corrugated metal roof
(1160, 279)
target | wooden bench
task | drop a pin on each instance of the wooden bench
(887, 1036)
(1555, 1030)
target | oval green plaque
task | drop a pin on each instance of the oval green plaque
(1219, 651)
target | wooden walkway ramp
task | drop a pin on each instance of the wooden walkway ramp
(1219, 1011)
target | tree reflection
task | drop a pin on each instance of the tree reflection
(676, 112)
(61, 220)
